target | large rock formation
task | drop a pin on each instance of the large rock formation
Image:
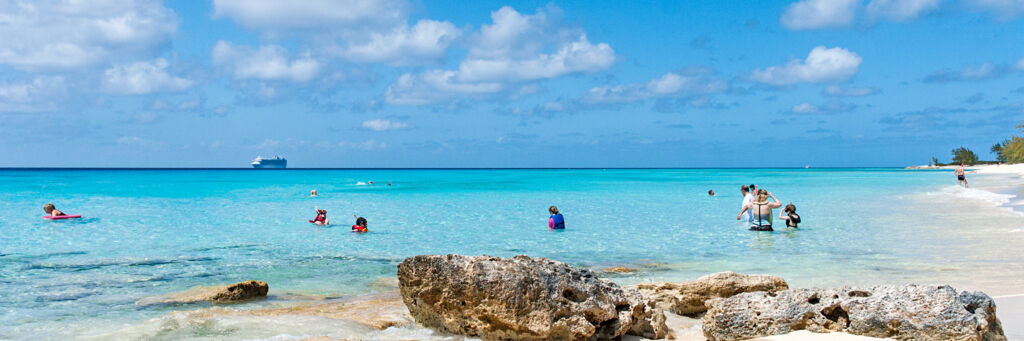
(688, 298)
(909, 312)
(522, 298)
(232, 293)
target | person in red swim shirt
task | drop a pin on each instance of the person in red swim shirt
(321, 217)
(360, 225)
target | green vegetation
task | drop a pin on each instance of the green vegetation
(1010, 150)
(1013, 149)
(964, 156)
(998, 150)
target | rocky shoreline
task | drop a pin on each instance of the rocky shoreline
(524, 298)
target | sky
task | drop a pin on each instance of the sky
(396, 83)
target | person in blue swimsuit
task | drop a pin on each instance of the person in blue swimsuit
(556, 222)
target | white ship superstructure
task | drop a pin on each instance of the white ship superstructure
(275, 162)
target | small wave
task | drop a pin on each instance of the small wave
(977, 195)
(1016, 230)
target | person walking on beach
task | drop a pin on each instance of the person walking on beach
(961, 179)
(747, 198)
(761, 211)
(556, 222)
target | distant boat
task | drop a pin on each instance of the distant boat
(276, 162)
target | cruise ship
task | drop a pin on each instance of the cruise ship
(275, 162)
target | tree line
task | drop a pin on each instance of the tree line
(1010, 150)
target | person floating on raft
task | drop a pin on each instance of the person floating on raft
(321, 217)
(360, 225)
(54, 214)
(556, 222)
(52, 210)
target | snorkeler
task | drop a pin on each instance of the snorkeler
(789, 215)
(556, 222)
(360, 225)
(321, 217)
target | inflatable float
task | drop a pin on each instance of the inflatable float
(67, 216)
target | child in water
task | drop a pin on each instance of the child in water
(556, 222)
(789, 215)
(321, 217)
(52, 210)
(360, 225)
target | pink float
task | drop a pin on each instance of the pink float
(62, 217)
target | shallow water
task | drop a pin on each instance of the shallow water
(150, 232)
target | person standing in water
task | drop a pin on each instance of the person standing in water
(747, 198)
(961, 178)
(761, 211)
(556, 222)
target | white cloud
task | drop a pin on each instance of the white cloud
(823, 65)
(61, 35)
(576, 56)
(272, 15)
(266, 63)
(834, 106)
(375, 31)
(669, 84)
(364, 145)
(143, 78)
(805, 108)
(424, 42)
(839, 91)
(1002, 9)
(900, 10)
(969, 73)
(513, 49)
(434, 86)
(135, 141)
(382, 125)
(37, 95)
(1019, 65)
(813, 14)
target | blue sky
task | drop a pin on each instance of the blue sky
(507, 84)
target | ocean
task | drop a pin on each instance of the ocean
(150, 232)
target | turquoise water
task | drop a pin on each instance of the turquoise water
(151, 232)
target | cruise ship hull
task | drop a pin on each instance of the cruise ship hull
(269, 165)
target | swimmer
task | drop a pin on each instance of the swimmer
(312, 193)
(761, 211)
(321, 217)
(711, 192)
(556, 222)
(370, 182)
(789, 215)
(52, 210)
(389, 183)
(360, 225)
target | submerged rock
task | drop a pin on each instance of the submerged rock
(688, 298)
(619, 269)
(522, 298)
(232, 293)
(910, 312)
